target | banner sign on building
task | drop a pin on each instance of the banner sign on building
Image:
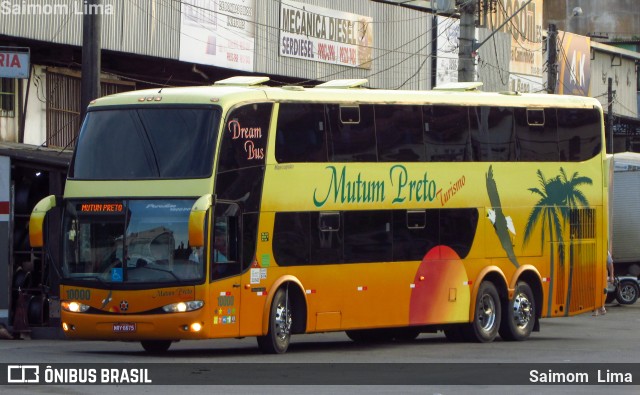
(218, 33)
(447, 61)
(324, 35)
(525, 29)
(574, 61)
(526, 83)
(14, 62)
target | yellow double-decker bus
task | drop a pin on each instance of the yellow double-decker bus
(239, 210)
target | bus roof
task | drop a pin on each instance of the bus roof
(231, 92)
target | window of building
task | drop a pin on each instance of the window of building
(7, 97)
(63, 91)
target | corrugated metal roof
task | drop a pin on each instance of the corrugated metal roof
(36, 154)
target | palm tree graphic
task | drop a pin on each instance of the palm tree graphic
(558, 196)
(575, 199)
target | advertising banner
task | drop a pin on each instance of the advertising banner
(447, 61)
(574, 64)
(218, 33)
(324, 35)
(525, 29)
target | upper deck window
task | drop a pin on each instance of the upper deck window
(146, 143)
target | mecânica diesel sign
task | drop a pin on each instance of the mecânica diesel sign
(14, 62)
(324, 35)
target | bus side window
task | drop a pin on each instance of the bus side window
(352, 133)
(291, 234)
(301, 133)
(537, 134)
(399, 133)
(492, 134)
(326, 238)
(578, 134)
(446, 134)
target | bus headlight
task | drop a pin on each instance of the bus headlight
(181, 307)
(74, 307)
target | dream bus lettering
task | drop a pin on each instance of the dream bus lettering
(248, 135)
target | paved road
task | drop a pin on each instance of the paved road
(604, 340)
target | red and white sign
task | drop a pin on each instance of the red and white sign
(14, 64)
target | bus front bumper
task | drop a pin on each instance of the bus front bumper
(175, 326)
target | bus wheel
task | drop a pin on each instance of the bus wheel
(486, 320)
(156, 346)
(277, 339)
(520, 314)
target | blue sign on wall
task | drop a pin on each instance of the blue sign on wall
(14, 62)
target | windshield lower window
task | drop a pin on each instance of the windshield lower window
(130, 241)
(146, 143)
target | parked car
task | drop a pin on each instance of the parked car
(625, 290)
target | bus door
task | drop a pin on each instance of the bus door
(225, 268)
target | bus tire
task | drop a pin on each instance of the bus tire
(278, 337)
(519, 314)
(486, 319)
(156, 346)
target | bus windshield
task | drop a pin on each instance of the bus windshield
(146, 143)
(130, 241)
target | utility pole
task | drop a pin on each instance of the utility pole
(91, 45)
(610, 114)
(466, 66)
(552, 72)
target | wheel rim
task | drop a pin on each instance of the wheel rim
(628, 292)
(522, 310)
(486, 313)
(282, 321)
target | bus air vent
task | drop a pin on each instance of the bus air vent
(243, 81)
(343, 84)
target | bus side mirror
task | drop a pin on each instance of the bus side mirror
(197, 220)
(36, 221)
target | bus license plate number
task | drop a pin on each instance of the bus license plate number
(124, 327)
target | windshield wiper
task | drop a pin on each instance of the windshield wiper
(161, 270)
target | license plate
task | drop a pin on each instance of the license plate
(124, 327)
